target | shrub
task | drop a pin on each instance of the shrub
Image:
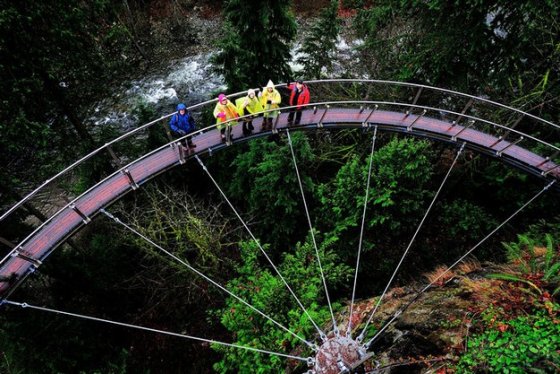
(524, 344)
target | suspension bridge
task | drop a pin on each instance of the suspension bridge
(462, 121)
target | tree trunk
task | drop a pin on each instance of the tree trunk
(134, 34)
(60, 98)
(11, 193)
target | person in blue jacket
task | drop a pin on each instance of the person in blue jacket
(182, 123)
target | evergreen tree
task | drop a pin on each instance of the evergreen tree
(256, 42)
(263, 288)
(496, 47)
(263, 180)
(319, 48)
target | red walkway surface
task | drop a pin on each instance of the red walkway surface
(45, 239)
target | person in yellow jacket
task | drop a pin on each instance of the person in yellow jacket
(270, 99)
(223, 112)
(249, 104)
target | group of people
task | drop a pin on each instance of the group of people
(249, 107)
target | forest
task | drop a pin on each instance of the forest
(210, 251)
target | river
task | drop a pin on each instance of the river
(190, 80)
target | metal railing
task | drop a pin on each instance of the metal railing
(422, 92)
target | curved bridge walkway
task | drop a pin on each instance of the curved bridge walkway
(29, 254)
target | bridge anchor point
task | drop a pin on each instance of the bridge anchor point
(338, 354)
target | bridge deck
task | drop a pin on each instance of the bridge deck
(45, 239)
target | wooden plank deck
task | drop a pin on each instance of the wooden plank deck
(59, 227)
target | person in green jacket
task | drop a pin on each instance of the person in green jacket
(249, 104)
(270, 99)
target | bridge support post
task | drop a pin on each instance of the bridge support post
(180, 150)
(545, 173)
(228, 134)
(365, 123)
(406, 114)
(131, 180)
(454, 137)
(84, 218)
(415, 99)
(320, 123)
(514, 125)
(546, 159)
(500, 138)
(409, 127)
(275, 124)
(19, 252)
(499, 153)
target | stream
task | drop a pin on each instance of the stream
(190, 80)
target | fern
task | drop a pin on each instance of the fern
(511, 277)
(549, 256)
(529, 263)
(513, 251)
(552, 273)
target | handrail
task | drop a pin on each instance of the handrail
(98, 150)
(212, 127)
(407, 84)
(399, 123)
(385, 82)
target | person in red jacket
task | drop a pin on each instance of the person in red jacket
(299, 96)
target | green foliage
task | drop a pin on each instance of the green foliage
(263, 288)
(264, 182)
(255, 43)
(458, 224)
(464, 220)
(401, 170)
(400, 190)
(179, 224)
(44, 58)
(14, 360)
(319, 48)
(55, 58)
(536, 263)
(512, 47)
(353, 4)
(38, 342)
(147, 113)
(526, 344)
